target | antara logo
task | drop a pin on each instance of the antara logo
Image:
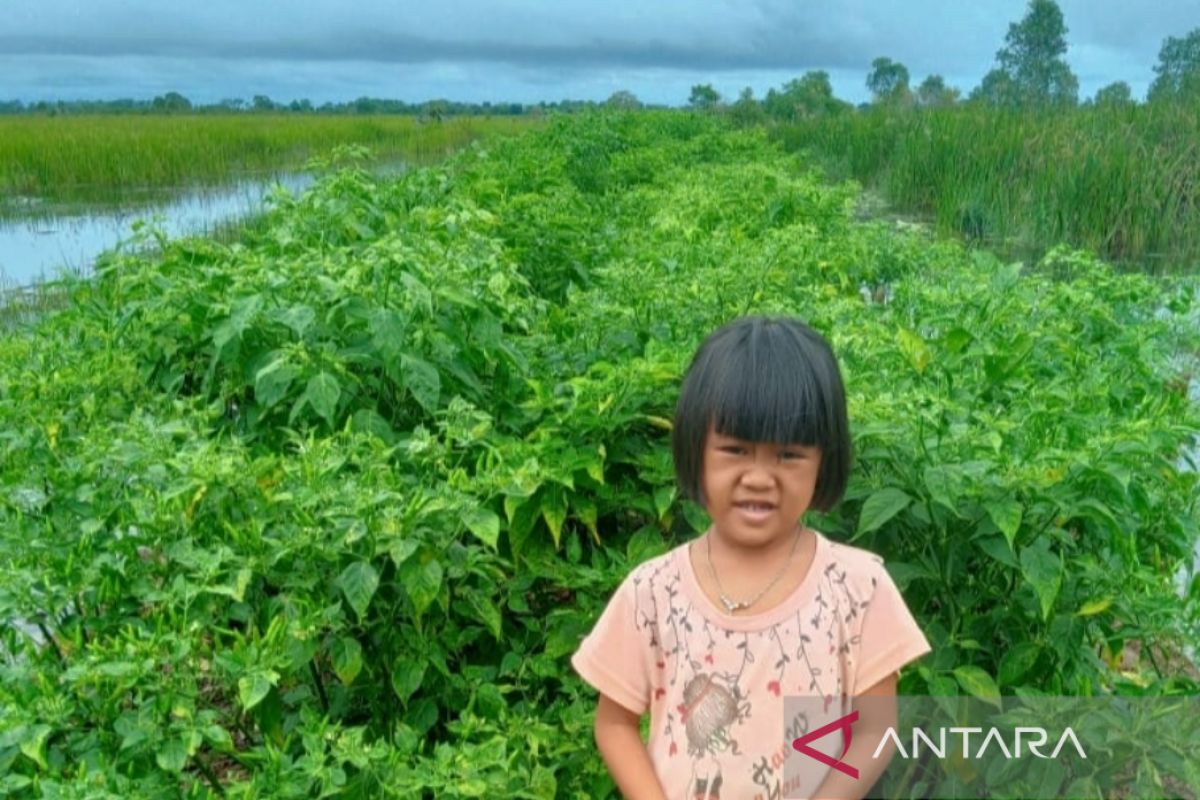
(1036, 739)
(800, 744)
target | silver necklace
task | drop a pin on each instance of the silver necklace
(732, 605)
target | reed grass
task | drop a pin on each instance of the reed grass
(101, 158)
(1123, 182)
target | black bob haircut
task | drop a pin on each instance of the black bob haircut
(764, 379)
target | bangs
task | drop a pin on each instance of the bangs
(765, 388)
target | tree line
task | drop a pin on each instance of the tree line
(175, 102)
(1030, 71)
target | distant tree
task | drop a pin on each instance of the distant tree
(933, 92)
(808, 95)
(1178, 69)
(995, 89)
(704, 97)
(1115, 94)
(888, 81)
(302, 105)
(746, 111)
(1034, 71)
(262, 103)
(171, 101)
(232, 104)
(623, 100)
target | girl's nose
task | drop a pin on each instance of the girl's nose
(757, 474)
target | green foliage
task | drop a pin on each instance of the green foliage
(323, 512)
(888, 81)
(934, 93)
(1030, 67)
(809, 95)
(623, 100)
(112, 158)
(1177, 73)
(704, 97)
(746, 111)
(1118, 179)
(1117, 93)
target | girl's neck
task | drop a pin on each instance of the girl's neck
(750, 558)
(767, 574)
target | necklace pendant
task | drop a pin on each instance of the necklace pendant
(731, 605)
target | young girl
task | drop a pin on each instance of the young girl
(710, 637)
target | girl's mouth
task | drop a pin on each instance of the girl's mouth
(755, 512)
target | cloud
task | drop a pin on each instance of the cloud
(573, 43)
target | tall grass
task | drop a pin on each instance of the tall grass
(94, 158)
(1123, 181)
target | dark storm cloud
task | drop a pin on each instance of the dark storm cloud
(399, 48)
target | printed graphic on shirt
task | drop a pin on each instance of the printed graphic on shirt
(715, 702)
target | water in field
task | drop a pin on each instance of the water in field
(37, 245)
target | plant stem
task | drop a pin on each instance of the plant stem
(316, 675)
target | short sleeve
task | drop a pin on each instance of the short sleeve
(891, 636)
(615, 657)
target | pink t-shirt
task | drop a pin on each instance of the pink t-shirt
(714, 683)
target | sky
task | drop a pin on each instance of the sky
(528, 51)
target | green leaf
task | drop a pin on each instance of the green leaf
(241, 312)
(253, 688)
(1093, 607)
(484, 523)
(663, 497)
(1017, 661)
(879, 508)
(422, 380)
(407, 675)
(1007, 516)
(487, 612)
(359, 582)
(388, 333)
(322, 394)
(956, 339)
(401, 550)
(914, 349)
(998, 548)
(368, 421)
(696, 516)
(586, 512)
(646, 542)
(944, 484)
(272, 382)
(423, 582)
(1043, 570)
(33, 743)
(298, 318)
(978, 683)
(172, 756)
(346, 654)
(218, 737)
(525, 514)
(554, 511)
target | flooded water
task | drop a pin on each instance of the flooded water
(38, 246)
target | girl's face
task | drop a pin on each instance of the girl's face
(756, 492)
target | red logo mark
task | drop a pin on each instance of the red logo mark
(800, 745)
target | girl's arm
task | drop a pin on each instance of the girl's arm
(874, 718)
(620, 744)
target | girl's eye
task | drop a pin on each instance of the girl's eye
(731, 448)
(792, 454)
